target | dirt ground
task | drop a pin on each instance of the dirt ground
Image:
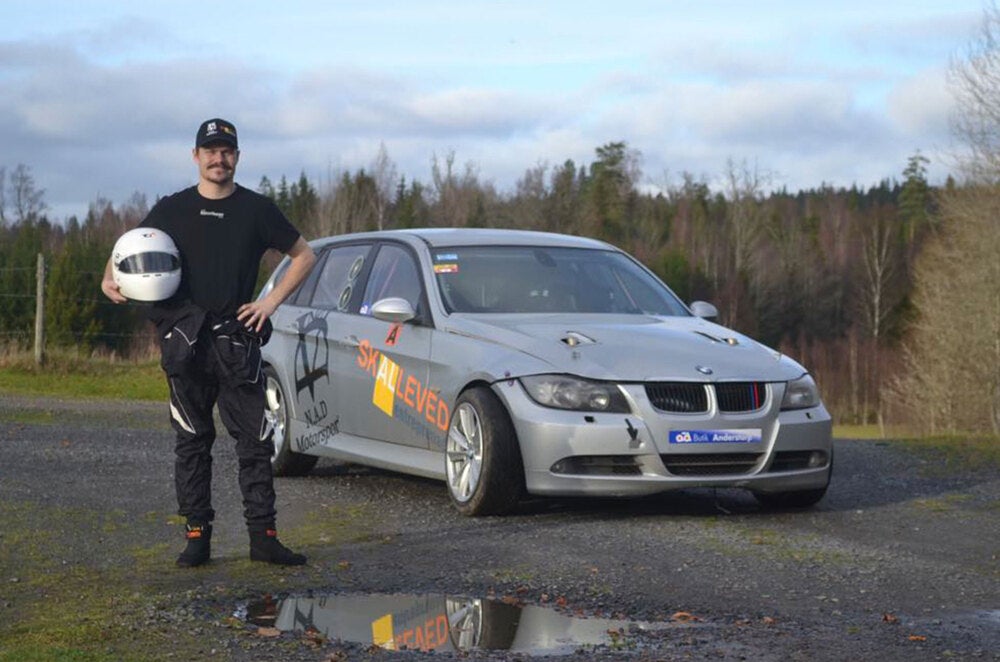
(900, 561)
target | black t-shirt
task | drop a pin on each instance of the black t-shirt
(221, 243)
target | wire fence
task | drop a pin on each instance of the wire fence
(21, 332)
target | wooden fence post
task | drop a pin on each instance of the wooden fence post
(40, 311)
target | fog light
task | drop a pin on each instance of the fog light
(559, 467)
(817, 459)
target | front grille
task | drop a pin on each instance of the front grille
(735, 397)
(678, 397)
(692, 398)
(709, 464)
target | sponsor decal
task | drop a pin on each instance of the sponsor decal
(450, 268)
(747, 436)
(312, 354)
(394, 386)
(315, 415)
(384, 395)
(424, 636)
(446, 257)
(393, 335)
(310, 439)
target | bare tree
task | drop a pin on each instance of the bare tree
(460, 200)
(384, 175)
(3, 197)
(28, 201)
(952, 381)
(975, 81)
(880, 258)
(744, 225)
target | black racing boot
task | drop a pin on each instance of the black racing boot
(265, 546)
(199, 545)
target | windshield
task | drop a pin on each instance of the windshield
(527, 279)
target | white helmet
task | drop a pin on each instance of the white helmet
(146, 265)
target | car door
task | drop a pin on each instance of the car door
(316, 375)
(385, 393)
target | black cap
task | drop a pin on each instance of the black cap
(216, 130)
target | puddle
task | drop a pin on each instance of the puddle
(442, 623)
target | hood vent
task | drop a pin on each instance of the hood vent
(724, 341)
(572, 339)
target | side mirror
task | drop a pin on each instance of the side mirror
(393, 309)
(704, 309)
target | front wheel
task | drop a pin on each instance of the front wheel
(284, 461)
(792, 500)
(797, 499)
(483, 465)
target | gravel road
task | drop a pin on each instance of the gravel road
(900, 561)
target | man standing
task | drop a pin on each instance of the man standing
(211, 332)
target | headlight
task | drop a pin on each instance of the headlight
(800, 393)
(567, 392)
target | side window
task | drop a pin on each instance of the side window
(304, 293)
(394, 274)
(340, 272)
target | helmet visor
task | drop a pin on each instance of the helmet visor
(149, 263)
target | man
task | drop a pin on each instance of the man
(211, 331)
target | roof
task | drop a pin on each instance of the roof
(443, 237)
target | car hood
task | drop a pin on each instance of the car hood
(629, 347)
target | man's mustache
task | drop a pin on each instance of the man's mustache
(220, 165)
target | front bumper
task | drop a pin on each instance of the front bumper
(593, 454)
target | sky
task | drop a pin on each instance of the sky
(102, 99)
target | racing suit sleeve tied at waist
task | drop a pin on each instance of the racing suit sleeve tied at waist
(179, 328)
(237, 349)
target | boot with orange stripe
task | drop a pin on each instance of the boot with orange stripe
(199, 545)
(265, 546)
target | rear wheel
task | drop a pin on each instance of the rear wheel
(483, 465)
(284, 461)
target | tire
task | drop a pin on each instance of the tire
(481, 624)
(795, 500)
(790, 500)
(284, 461)
(483, 467)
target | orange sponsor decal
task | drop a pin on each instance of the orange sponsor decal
(393, 384)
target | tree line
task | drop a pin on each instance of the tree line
(822, 274)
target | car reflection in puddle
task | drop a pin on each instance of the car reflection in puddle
(441, 623)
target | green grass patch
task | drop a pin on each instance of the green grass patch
(68, 375)
(869, 431)
(942, 504)
(959, 452)
(950, 452)
(133, 605)
(62, 609)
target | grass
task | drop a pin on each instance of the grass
(959, 451)
(965, 451)
(130, 603)
(66, 374)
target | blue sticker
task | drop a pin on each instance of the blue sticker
(749, 436)
(446, 257)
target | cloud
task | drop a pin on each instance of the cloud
(825, 96)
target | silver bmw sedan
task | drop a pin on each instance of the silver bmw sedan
(510, 363)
